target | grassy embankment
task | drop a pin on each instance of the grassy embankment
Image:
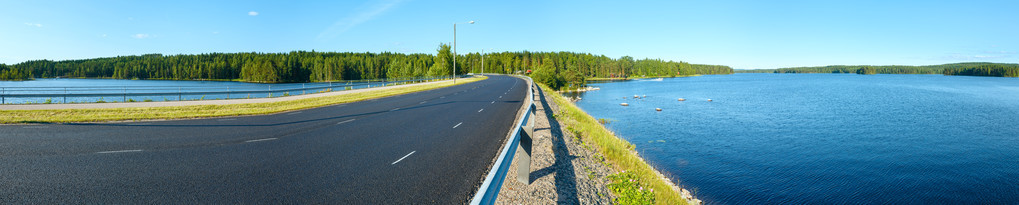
(620, 153)
(200, 111)
(646, 77)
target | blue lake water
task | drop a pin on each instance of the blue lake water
(825, 138)
(117, 88)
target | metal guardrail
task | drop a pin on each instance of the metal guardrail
(231, 92)
(521, 139)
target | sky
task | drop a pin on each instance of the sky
(744, 34)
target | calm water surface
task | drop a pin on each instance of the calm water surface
(825, 138)
(57, 86)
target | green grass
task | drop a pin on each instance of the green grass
(619, 153)
(200, 111)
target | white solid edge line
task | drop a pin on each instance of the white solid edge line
(422, 102)
(481, 110)
(259, 140)
(226, 119)
(119, 151)
(457, 125)
(34, 127)
(394, 109)
(404, 157)
(298, 112)
(345, 121)
(493, 102)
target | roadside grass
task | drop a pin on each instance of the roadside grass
(202, 111)
(621, 154)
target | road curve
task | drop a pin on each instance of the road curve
(426, 147)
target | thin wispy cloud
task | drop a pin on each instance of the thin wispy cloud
(965, 57)
(34, 24)
(140, 36)
(367, 13)
(252, 13)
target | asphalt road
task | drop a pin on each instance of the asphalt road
(432, 147)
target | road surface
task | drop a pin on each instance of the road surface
(427, 147)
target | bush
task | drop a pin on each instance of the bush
(630, 189)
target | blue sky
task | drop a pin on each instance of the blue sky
(743, 34)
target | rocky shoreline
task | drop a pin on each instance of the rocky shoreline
(564, 170)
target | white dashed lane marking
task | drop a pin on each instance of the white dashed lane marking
(259, 140)
(404, 157)
(119, 151)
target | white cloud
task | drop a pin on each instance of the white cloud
(140, 36)
(34, 24)
(104, 35)
(368, 12)
(252, 13)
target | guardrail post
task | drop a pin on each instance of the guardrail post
(227, 92)
(180, 97)
(65, 94)
(526, 137)
(270, 91)
(125, 94)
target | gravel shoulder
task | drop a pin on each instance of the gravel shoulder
(563, 169)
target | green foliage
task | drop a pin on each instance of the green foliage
(49, 101)
(999, 70)
(629, 189)
(866, 70)
(977, 69)
(11, 73)
(443, 62)
(567, 69)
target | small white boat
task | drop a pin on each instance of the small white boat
(624, 104)
(682, 99)
(658, 109)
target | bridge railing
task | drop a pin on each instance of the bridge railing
(88, 94)
(519, 143)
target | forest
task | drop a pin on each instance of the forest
(974, 68)
(557, 69)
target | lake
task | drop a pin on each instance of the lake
(169, 89)
(824, 138)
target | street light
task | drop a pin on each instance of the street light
(483, 61)
(454, 50)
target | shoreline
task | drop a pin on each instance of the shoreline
(619, 152)
(638, 78)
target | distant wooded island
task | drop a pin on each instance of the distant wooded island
(971, 68)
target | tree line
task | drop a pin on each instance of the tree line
(998, 70)
(9, 73)
(973, 68)
(558, 69)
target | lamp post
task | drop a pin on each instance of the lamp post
(454, 50)
(483, 61)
